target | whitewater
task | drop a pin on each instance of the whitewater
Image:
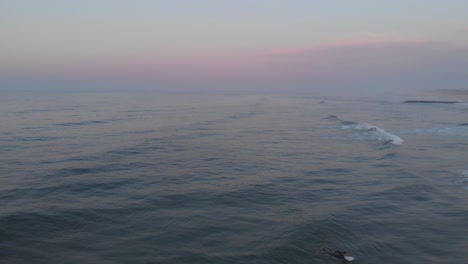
(370, 132)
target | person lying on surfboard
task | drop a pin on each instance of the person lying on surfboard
(342, 255)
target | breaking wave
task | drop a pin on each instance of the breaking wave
(369, 131)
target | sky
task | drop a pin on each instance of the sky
(349, 45)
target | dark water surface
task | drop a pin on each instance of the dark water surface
(150, 178)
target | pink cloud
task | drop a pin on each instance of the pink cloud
(219, 66)
(370, 60)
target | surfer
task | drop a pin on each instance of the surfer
(342, 255)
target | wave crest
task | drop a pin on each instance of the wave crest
(369, 131)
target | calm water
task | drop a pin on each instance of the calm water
(149, 178)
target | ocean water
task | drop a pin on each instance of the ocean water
(186, 178)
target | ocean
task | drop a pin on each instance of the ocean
(147, 177)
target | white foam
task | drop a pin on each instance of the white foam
(375, 131)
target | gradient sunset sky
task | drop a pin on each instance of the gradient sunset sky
(278, 44)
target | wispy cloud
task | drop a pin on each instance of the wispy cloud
(369, 40)
(368, 62)
(373, 62)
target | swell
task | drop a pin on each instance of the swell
(463, 180)
(455, 130)
(368, 131)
